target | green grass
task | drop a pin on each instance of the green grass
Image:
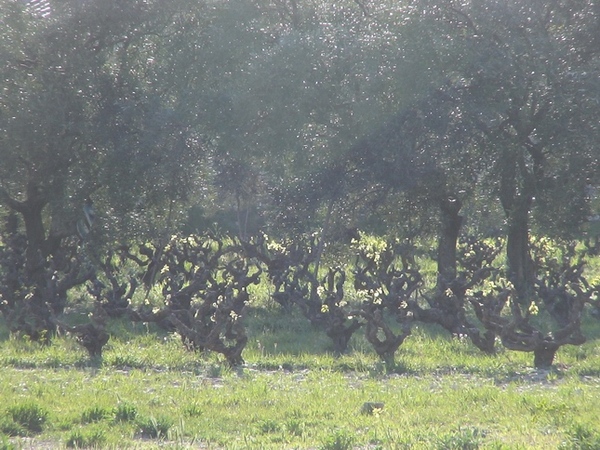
(148, 392)
(310, 409)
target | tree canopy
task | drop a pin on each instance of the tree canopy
(298, 112)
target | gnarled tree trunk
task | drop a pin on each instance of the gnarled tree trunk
(31, 209)
(451, 222)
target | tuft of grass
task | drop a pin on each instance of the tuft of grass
(29, 416)
(94, 414)
(154, 427)
(5, 444)
(581, 437)
(338, 440)
(10, 428)
(462, 439)
(215, 370)
(296, 427)
(86, 438)
(269, 426)
(125, 412)
(193, 410)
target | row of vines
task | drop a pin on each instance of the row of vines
(199, 286)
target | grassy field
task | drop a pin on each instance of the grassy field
(148, 392)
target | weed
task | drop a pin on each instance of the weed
(94, 414)
(296, 427)
(30, 416)
(177, 433)
(126, 361)
(82, 439)
(11, 428)
(581, 437)
(217, 371)
(124, 412)
(462, 439)
(269, 426)
(495, 445)
(154, 427)
(339, 440)
(5, 444)
(193, 410)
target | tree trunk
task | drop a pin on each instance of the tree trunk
(443, 310)
(520, 266)
(543, 356)
(451, 222)
(34, 228)
(31, 210)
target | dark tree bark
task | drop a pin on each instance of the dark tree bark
(47, 272)
(93, 335)
(451, 222)
(518, 184)
(517, 333)
(381, 336)
(543, 356)
(520, 265)
(446, 310)
(447, 306)
(31, 209)
(339, 333)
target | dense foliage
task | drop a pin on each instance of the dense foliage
(467, 124)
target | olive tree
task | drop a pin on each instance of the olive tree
(531, 78)
(87, 113)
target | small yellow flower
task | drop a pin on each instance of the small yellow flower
(533, 309)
